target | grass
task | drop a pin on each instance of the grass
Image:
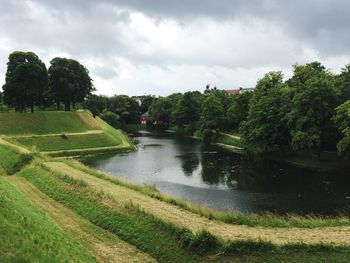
(46, 122)
(253, 220)
(57, 143)
(164, 241)
(28, 236)
(11, 160)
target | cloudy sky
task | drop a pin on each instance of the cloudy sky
(138, 47)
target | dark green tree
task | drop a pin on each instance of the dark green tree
(266, 125)
(312, 108)
(69, 82)
(160, 112)
(126, 107)
(343, 84)
(112, 119)
(26, 81)
(187, 109)
(238, 111)
(96, 104)
(342, 122)
(146, 102)
(213, 113)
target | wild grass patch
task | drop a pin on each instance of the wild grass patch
(13, 161)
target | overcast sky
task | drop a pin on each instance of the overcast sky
(138, 47)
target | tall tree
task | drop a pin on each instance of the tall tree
(124, 106)
(187, 109)
(213, 113)
(266, 124)
(69, 82)
(238, 110)
(313, 108)
(342, 122)
(160, 112)
(26, 81)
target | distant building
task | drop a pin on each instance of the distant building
(240, 90)
(144, 118)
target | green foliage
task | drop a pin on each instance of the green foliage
(12, 161)
(146, 102)
(26, 81)
(127, 108)
(27, 235)
(160, 111)
(343, 84)
(265, 127)
(342, 122)
(238, 110)
(213, 113)
(112, 119)
(187, 109)
(69, 81)
(96, 104)
(312, 108)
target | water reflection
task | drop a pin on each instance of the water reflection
(219, 179)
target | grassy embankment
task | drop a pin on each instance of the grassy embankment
(62, 133)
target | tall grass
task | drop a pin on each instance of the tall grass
(27, 235)
(164, 241)
(11, 160)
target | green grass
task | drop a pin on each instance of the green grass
(167, 242)
(46, 122)
(11, 160)
(253, 220)
(57, 143)
(28, 236)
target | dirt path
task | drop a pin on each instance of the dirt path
(231, 135)
(105, 246)
(181, 217)
(58, 134)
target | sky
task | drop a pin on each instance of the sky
(139, 47)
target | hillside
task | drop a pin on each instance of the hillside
(61, 133)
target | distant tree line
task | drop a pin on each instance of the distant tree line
(28, 83)
(310, 111)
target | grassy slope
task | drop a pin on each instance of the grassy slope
(11, 160)
(45, 122)
(28, 236)
(166, 242)
(42, 131)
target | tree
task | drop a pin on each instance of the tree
(127, 108)
(69, 82)
(26, 81)
(342, 122)
(213, 114)
(111, 118)
(187, 109)
(146, 102)
(266, 125)
(96, 104)
(343, 84)
(313, 108)
(238, 111)
(160, 112)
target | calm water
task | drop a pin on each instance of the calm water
(216, 178)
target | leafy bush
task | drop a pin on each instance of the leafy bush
(112, 119)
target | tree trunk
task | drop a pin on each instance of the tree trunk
(58, 105)
(67, 106)
(32, 108)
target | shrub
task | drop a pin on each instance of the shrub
(112, 119)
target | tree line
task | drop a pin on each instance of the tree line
(28, 83)
(310, 111)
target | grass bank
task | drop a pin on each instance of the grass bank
(28, 236)
(11, 160)
(62, 133)
(177, 244)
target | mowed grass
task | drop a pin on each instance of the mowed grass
(164, 241)
(46, 122)
(26, 234)
(59, 143)
(11, 160)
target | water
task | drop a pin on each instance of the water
(222, 180)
